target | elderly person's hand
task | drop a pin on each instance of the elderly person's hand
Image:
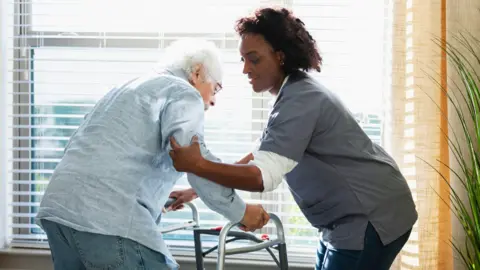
(181, 197)
(187, 158)
(255, 218)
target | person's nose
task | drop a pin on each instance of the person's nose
(213, 100)
(246, 68)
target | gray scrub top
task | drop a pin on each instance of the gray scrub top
(343, 180)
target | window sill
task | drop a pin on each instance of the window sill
(25, 251)
(181, 259)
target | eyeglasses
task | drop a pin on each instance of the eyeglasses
(217, 89)
(218, 86)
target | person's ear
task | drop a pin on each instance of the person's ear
(195, 76)
(280, 57)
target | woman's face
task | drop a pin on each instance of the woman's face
(261, 63)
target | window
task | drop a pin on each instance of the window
(64, 55)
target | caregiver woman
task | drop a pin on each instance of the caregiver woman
(346, 186)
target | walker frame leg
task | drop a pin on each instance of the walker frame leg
(282, 253)
(197, 238)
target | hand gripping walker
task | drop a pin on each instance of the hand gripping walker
(264, 242)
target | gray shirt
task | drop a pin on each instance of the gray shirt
(343, 180)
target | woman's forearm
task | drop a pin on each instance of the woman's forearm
(238, 176)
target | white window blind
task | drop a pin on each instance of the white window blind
(64, 55)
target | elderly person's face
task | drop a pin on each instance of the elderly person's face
(207, 88)
(262, 64)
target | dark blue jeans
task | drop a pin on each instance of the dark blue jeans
(75, 250)
(374, 256)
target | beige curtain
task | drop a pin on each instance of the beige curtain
(416, 99)
(419, 116)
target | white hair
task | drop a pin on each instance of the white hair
(185, 54)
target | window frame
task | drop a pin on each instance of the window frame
(23, 99)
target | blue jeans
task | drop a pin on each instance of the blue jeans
(75, 250)
(374, 256)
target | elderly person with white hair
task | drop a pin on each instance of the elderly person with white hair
(103, 200)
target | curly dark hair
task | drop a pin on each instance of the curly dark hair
(285, 33)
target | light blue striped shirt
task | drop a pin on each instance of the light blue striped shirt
(116, 173)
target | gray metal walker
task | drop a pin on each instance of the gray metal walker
(226, 235)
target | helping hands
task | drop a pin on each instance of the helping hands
(187, 159)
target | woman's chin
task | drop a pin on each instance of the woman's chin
(257, 88)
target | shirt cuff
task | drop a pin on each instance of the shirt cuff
(237, 209)
(273, 168)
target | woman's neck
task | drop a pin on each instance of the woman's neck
(278, 85)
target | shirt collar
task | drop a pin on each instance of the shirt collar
(284, 82)
(180, 73)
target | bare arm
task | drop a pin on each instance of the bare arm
(238, 176)
(288, 136)
(189, 194)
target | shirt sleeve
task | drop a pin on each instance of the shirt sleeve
(291, 125)
(273, 168)
(220, 199)
(183, 118)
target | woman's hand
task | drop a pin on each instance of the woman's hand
(187, 158)
(245, 159)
